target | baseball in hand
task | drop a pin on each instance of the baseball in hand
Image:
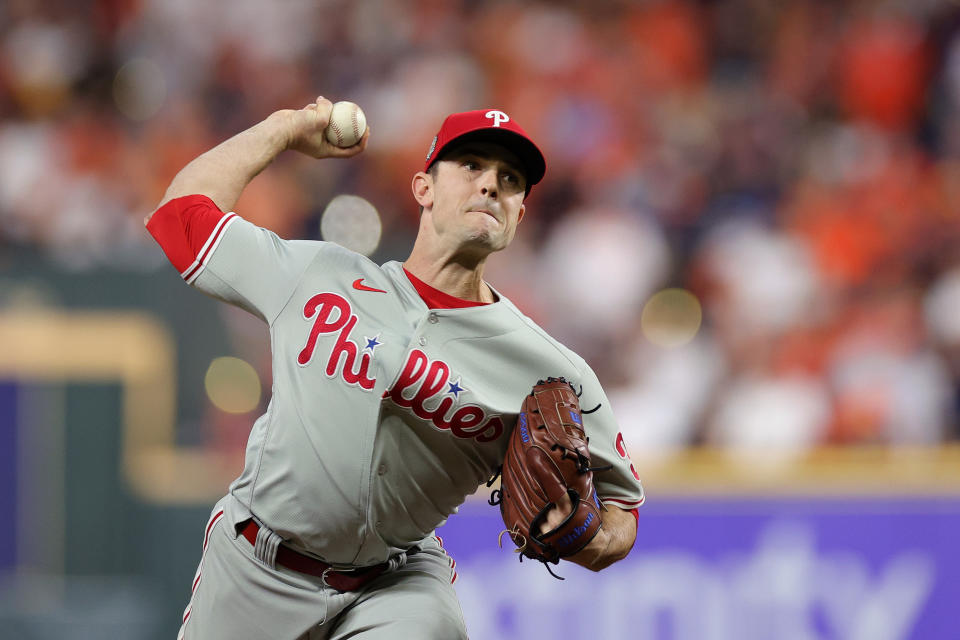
(347, 124)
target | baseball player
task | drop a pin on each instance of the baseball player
(395, 390)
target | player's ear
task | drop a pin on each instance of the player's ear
(523, 209)
(422, 187)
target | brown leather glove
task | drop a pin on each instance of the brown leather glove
(547, 457)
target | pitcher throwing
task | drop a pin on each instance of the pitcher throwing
(396, 388)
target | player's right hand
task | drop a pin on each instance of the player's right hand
(304, 129)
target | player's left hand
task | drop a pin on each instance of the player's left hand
(546, 477)
(558, 514)
(595, 550)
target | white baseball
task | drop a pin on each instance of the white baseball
(347, 124)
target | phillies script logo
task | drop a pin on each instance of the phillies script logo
(424, 381)
(332, 314)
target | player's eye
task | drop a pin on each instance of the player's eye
(512, 179)
(470, 165)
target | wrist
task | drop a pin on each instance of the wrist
(279, 129)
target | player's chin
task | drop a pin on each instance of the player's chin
(485, 241)
(487, 228)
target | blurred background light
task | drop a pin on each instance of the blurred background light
(41, 60)
(232, 385)
(671, 318)
(353, 223)
(139, 89)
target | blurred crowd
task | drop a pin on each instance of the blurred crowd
(789, 164)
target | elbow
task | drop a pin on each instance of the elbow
(167, 197)
(146, 218)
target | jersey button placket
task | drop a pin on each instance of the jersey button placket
(422, 341)
(433, 318)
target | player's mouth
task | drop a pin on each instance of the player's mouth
(486, 211)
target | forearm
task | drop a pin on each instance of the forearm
(612, 543)
(223, 172)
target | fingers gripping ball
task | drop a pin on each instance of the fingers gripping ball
(347, 124)
(547, 458)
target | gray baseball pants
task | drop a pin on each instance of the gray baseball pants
(235, 596)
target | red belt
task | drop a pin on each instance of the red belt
(339, 580)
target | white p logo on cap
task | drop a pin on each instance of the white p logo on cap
(497, 117)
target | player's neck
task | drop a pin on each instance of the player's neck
(459, 278)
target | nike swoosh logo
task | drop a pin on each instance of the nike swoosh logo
(359, 286)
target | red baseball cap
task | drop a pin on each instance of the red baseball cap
(489, 125)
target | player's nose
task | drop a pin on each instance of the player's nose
(488, 183)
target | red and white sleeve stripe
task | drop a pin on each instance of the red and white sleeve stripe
(623, 504)
(189, 229)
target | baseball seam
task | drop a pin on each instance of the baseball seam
(338, 133)
(356, 124)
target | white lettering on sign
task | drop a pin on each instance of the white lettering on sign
(783, 585)
(497, 117)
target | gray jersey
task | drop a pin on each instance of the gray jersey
(385, 414)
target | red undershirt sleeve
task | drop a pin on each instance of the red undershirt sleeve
(188, 230)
